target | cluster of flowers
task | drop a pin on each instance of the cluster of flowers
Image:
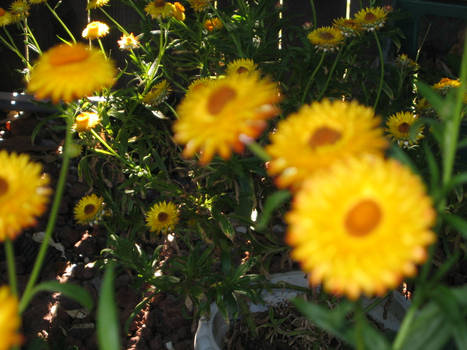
(331, 38)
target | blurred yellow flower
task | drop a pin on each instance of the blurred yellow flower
(213, 24)
(446, 83)
(89, 209)
(6, 17)
(361, 227)
(179, 11)
(371, 18)
(86, 121)
(69, 72)
(159, 9)
(162, 217)
(10, 321)
(242, 65)
(95, 30)
(23, 193)
(398, 127)
(326, 38)
(224, 114)
(92, 4)
(158, 93)
(199, 5)
(127, 42)
(348, 27)
(20, 8)
(320, 134)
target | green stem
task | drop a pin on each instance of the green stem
(331, 72)
(61, 22)
(27, 295)
(111, 150)
(102, 47)
(360, 318)
(120, 28)
(10, 258)
(15, 50)
(381, 74)
(136, 8)
(313, 11)
(405, 326)
(312, 77)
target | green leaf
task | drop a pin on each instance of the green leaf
(433, 168)
(274, 201)
(398, 154)
(456, 222)
(69, 290)
(107, 321)
(438, 102)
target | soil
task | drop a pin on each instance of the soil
(52, 321)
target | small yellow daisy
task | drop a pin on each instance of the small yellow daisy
(6, 17)
(10, 320)
(24, 193)
(348, 27)
(86, 121)
(199, 5)
(326, 38)
(398, 127)
(240, 66)
(128, 42)
(69, 72)
(371, 18)
(92, 4)
(179, 11)
(158, 93)
(89, 209)
(95, 30)
(162, 217)
(212, 24)
(221, 116)
(199, 84)
(320, 134)
(361, 226)
(159, 9)
(447, 83)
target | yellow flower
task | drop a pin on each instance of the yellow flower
(69, 72)
(242, 65)
(162, 217)
(157, 94)
(179, 12)
(213, 24)
(199, 84)
(199, 5)
(220, 116)
(398, 127)
(10, 321)
(86, 121)
(160, 9)
(95, 30)
(6, 17)
(93, 4)
(23, 193)
(89, 209)
(371, 18)
(318, 135)
(348, 27)
(361, 226)
(128, 42)
(326, 38)
(446, 83)
(20, 8)
(406, 62)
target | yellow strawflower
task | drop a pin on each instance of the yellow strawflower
(398, 127)
(95, 30)
(326, 38)
(10, 321)
(86, 121)
(162, 217)
(89, 209)
(240, 66)
(371, 18)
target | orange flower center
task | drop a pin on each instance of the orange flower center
(89, 209)
(82, 118)
(363, 218)
(162, 216)
(64, 54)
(324, 136)
(326, 35)
(219, 98)
(2, 12)
(404, 127)
(3, 186)
(370, 16)
(241, 70)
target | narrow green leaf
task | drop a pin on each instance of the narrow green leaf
(433, 168)
(69, 290)
(273, 202)
(456, 222)
(107, 321)
(435, 100)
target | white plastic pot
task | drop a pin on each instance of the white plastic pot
(212, 330)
